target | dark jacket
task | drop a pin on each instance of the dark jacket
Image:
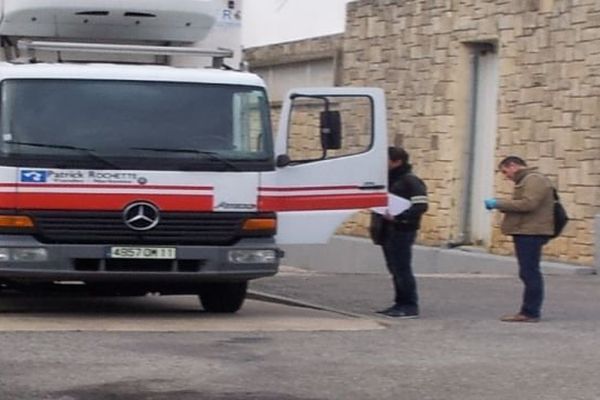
(402, 182)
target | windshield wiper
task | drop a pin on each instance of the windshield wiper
(89, 152)
(210, 154)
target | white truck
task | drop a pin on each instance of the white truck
(123, 174)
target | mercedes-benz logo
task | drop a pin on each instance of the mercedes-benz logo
(141, 216)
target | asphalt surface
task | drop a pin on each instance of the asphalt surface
(164, 314)
(457, 350)
(443, 297)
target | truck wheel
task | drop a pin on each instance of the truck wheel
(223, 297)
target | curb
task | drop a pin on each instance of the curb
(271, 298)
(348, 254)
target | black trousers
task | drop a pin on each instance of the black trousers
(397, 249)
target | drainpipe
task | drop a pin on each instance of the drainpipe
(597, 247)
(464, 235)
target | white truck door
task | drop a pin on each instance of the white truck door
(331, 156)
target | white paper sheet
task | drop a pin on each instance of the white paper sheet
(396, 205)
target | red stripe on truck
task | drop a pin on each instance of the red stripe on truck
(8, 200)
(110, 202)
(321, 202)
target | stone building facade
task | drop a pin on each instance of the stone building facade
(548, 97)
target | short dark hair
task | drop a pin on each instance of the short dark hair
(397, 153)
(512, 160)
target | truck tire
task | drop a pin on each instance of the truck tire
(223, 297)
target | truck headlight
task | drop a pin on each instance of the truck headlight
(29, 254)
(252, 256)
(23, 254)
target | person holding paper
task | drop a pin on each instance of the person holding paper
(401, 226)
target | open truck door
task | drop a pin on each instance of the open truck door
(331, 156)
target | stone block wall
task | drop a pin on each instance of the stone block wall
(418, 51)
(549, 55)
(293, 52)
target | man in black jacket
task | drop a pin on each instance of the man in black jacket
(400, 233)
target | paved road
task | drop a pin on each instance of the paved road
(457, 350)
(164, 314)
(466, 297)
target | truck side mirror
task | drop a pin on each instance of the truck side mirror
(331, 130)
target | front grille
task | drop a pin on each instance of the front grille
(82, 227)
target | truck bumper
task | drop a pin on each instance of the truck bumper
(25, 258)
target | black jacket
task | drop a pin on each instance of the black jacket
(402, 182)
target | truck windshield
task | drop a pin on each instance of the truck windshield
(111, 124)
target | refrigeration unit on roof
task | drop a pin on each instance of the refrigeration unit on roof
(120, 20)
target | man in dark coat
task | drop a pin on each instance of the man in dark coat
(400, 233)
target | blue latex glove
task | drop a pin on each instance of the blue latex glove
(490, 204)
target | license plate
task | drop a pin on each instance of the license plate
(142, 252)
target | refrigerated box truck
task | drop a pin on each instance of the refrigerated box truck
(122, 174)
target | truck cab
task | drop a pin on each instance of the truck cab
(121, 174)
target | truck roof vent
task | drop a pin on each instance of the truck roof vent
(139, 14)
(88, 13)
